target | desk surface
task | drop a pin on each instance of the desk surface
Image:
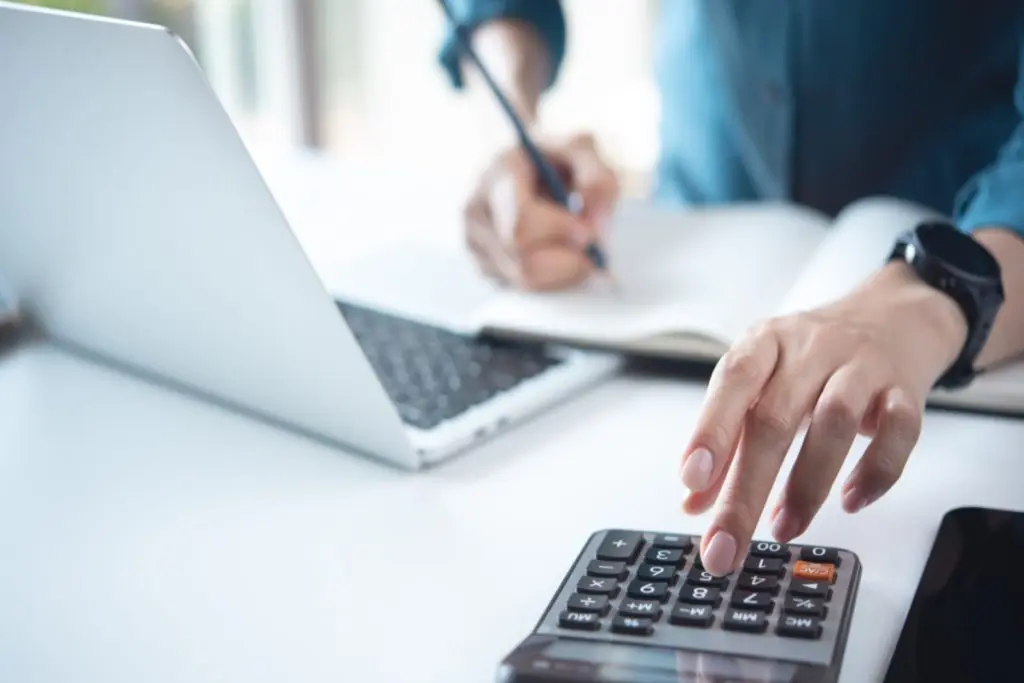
(150, 536)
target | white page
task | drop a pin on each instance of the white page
(709, 271)
(858, 244)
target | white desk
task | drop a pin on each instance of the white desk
(148, 536)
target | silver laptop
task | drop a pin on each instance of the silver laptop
(135, 227)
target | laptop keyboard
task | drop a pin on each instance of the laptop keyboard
(432, 374)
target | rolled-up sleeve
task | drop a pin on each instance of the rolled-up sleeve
(994, 197)
(546, 16)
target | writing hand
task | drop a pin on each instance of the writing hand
(522, 238)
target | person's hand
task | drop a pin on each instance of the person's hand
(519, 236)
(864, 364)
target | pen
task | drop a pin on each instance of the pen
(547, 174)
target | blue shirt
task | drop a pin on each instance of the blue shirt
(823, 102)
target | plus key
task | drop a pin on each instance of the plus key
(622, 546)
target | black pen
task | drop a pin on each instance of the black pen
(544, 169)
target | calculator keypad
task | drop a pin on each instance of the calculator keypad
(646, 587)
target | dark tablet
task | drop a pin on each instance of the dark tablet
(966, 620)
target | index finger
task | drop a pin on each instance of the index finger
(736, 382)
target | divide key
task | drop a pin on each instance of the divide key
(623, 546)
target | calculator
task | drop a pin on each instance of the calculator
(638, 607)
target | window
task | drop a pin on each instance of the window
(360, 78)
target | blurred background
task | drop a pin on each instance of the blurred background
(360, 79)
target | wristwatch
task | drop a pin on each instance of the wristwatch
(953, 262)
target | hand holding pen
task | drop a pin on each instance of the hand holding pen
(537, 216)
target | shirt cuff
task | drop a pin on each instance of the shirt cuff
(546, 16)
(993, 198)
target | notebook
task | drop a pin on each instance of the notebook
(688, 283)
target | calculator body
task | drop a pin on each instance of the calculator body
(637, 607)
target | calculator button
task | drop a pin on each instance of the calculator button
(670, 556)
(622, 546)
(700, 595)
(598, 586)
(656, 572)
(581, 621)
(769, 549)
(811, 607)
(637, 626)
(764, 565)
(811, 589)
(814, 571)
(648, 590)
(589, 603)
(753, 601)
(745, 620)
(799, 627)
(614, 570)
(820, 554)
(758, 582)
(684, 543)
(692, 615)
(640, 608)
(706, 579)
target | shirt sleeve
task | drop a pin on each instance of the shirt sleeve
(546, 16)
(995, 195)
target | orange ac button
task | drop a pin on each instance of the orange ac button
(814, 571)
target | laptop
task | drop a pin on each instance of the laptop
(136, 228)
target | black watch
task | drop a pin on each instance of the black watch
(953, 262)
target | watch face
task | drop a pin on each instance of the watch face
(957, 249)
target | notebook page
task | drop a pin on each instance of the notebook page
(703, 271)
(858, 244)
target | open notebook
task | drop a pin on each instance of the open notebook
(689, 283)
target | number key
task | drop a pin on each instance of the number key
(764, 565)
(656, 572)
(700, 595)
(706, 579)
(759, 582)
(671, 556)
(769, 549)
(752, 601)
(820, 554)
(648, 590)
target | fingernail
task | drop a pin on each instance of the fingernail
(786, 526)
(696, 470)
(855, 501)
(720, 554)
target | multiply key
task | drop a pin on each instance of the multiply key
(620, 545)
(598, 586)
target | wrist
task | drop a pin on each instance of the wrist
(924, 311)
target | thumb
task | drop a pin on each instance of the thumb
(593, 180)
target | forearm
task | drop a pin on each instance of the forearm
(518, 60)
